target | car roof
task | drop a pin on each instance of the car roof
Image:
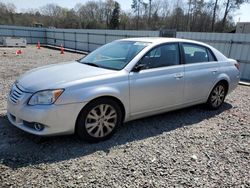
(159, 40)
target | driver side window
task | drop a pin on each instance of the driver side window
(162, 56)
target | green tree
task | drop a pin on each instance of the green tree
(136, 6)
(115, 18)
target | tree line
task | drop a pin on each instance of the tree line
(182, 15)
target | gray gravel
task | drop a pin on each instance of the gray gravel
(192, 147)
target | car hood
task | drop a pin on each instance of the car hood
(52, 76)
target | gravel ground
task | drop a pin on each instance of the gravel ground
(192, 147)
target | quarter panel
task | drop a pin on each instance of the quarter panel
(230, 73)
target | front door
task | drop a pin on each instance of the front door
(160, 83)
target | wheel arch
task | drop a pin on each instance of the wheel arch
(117, 100)
(223, 80)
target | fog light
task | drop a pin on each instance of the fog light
(38, 126)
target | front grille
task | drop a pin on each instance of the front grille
(16, 94)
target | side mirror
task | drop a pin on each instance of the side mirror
(138, 67)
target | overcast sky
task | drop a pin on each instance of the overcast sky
(243, 14)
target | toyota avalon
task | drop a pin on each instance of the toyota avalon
(121, 81)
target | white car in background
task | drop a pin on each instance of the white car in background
(120, 81)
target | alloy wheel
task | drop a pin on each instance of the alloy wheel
(101, 120)
(217, 96)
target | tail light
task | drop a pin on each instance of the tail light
(237, 65)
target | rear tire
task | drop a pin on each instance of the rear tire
(217, 96)
(99, 120)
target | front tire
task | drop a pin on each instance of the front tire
(217, 96)
(98, 120)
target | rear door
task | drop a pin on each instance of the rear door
(160, 83)
(201, 70)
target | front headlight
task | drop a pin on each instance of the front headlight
(45, 97)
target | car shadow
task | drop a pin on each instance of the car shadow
(20, 149)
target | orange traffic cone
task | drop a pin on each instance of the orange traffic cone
(62, 49)
(38, 45)
(18, 52)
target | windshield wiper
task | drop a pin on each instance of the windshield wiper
(91, 64)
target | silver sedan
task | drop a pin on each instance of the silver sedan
(120, 81)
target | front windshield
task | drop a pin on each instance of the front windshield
(115, 55)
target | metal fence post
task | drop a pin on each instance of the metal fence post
(75, 40)
(63, 39)
(230, 48)
(88, 41)
(30, 37)
(54, 37)
(45, 37)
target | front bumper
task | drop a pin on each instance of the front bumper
(57, 119)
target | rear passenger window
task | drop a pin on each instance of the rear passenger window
(210, 56)
(197, 54)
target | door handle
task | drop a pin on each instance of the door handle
(214, 71)
(178, 75)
